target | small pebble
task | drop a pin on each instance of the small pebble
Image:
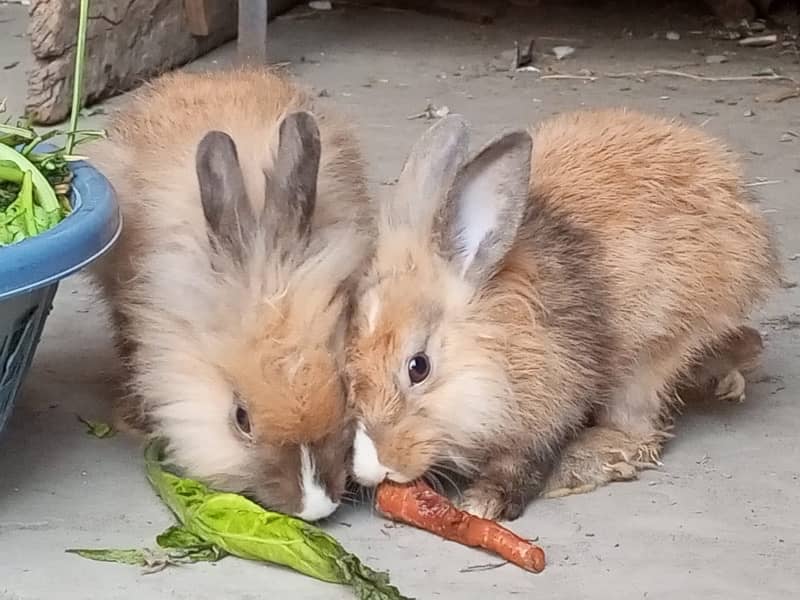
(561, 52)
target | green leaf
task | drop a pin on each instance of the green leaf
(152, 560)
(242, 528)
(97, 428)
(126, 557)
(178, 538)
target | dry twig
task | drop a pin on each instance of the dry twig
(568, 76)
(766, 76)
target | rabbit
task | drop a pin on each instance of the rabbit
(537, 305)
(245, 216)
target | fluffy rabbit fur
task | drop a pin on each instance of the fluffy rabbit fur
(518, 296)
(243, 223)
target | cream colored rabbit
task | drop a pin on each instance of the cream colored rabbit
(243, 223)
(562, 277)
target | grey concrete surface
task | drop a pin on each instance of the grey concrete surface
(720, 519)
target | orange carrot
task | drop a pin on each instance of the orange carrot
(418, 505)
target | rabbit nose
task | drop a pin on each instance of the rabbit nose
(367, 467)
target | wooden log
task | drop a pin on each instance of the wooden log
(197, 16)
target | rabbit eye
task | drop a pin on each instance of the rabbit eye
(419, 367)
(242, 420)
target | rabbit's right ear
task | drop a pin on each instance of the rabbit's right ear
(229, 215)
(479, 221)
(427, 174)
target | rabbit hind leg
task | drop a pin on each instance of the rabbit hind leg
(628, 437)
(632, 428)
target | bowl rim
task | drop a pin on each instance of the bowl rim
(84, 235)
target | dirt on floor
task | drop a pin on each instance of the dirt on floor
(719, 520)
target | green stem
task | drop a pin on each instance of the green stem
(44, 191)
(77, 82)
(11, 130)
(11, 174)
(26, 202)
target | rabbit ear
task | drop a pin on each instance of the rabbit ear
(427, 174)
(292, 184)
(485, 206)
(229, 215)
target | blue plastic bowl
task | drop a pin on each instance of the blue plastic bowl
(30, 271)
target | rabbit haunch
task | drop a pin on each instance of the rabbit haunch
(246, 215)
(577, 273)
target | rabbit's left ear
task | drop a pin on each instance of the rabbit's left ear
(292, 184)
(485, 206)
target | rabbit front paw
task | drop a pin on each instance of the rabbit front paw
(601, 456)
(490, 501)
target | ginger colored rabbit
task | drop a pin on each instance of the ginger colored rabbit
(245, 217)
(569, 275)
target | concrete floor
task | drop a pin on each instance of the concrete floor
(720, 520)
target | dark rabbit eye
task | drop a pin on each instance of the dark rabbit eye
(242, 420)
(419, 367)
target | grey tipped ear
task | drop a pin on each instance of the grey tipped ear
(428, 173)
(229, 215)
(292, 184)
(485, 207)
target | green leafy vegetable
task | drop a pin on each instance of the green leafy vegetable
(214, 524)
(97, 428)
(244, 529)
(29, 211)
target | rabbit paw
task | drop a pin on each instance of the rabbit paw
(490, 501)
(598, 457)
(731, 387)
